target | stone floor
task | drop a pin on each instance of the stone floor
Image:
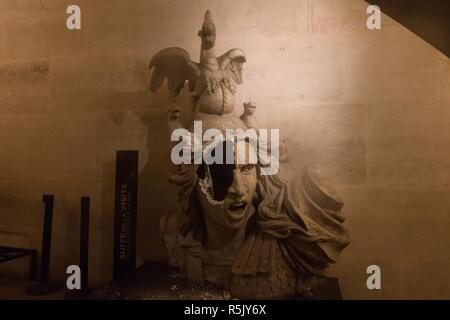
(14, 289)
(150, 281)
(157, 281)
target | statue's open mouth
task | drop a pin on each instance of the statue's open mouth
(237, 206)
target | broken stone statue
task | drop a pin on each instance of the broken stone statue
(257, 236)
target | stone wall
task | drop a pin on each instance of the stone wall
(372, 107)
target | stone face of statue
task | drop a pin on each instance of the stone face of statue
(226, 204)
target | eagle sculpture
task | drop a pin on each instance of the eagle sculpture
(213, 80)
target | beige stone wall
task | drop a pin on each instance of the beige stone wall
(372, 107)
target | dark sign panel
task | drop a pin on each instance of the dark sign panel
(125, 212)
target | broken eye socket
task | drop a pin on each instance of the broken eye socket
(221, 175)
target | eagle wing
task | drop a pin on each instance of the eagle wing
(176, 65)
(231, 63)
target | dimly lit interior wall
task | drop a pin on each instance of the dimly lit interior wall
(371, 107)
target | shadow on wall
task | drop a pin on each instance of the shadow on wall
(155, 195)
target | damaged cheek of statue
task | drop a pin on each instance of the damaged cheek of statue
(241, 225)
